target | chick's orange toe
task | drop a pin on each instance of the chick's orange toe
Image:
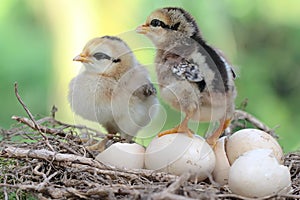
(177, 130)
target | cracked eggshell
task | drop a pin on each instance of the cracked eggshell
(248, 139)
(221, 170)
(257, 173)
(123, 155)
(178, 153)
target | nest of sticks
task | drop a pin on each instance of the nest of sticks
(46, 159)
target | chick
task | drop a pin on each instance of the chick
(193, 77)
(113, 89)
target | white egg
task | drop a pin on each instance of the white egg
(179, 153)
(228, 149)
(221, 171)
(248, 139)
(123, 155)
(257, 173)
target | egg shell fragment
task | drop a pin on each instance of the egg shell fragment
(123, 155)
(257, 173)
(221, 170)
(178, 153)
(248, 139)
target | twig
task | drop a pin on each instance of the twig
(178, 183)
(35, 170)
(98, 133)
(42, 185)
(243, 104)
(127, 173)
(69, 149)
(242, 115)
(169, 192)
(169, 196)
(16, 130)
(116, 189)
(52, 131)
(31, 116)
(41, 197)
(103, 171)
(4, 189)
(27, 110)
(289, 196)
(44, 129)
(55, 193)
(53, 111)
(83, 163)
(44, 154)
(262, 198)
(235, 196)
(64, 192)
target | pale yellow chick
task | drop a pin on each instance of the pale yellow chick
(113, 89)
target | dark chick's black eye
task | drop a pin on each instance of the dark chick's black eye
(116, 60)
(156, 23)
(175, 26)
(100, 56)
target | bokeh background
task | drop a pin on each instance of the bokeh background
(39, 38)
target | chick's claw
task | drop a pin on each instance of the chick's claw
(212, 140)
(99, 146)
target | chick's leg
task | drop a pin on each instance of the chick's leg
(99, 146)
(212, 140)
(102, 144)
(181, 128)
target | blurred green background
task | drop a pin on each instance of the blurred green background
(39, 38)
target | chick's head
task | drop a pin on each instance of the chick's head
(104, 53)
(168, 23)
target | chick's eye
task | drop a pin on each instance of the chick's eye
(100, 56)
(156, 22)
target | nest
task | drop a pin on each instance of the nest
(52, 162)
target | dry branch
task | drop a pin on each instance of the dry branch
(82, 163)
(31, 117)
(170, 192)
(31, 124)
(13, 152)
(243, 115)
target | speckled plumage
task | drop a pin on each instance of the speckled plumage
(188, 71)
(193, 77)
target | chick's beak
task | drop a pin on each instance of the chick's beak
(142, 29)
(82, 58)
